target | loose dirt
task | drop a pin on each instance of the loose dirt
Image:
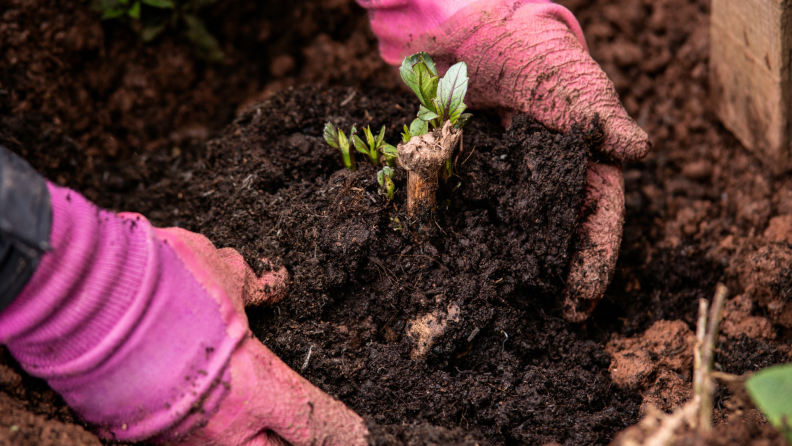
(126, 124)
(361, 283)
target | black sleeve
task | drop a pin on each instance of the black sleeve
(25, 222)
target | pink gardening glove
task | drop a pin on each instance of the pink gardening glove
(530, 56)
(143, 332)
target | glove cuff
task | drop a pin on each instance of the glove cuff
(117, 323)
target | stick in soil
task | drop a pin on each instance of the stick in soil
(704, 384)
(660, 428)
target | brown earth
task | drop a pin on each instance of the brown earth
(126, 123)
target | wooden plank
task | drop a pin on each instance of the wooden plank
(750, 52)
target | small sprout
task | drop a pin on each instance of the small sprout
(336, 138)
(375, 145)
(385, 180)
(391, 154)
(417, 128)
(397, 225)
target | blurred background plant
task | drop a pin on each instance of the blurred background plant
(152, 17)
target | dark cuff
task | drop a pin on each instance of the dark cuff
(25, 222)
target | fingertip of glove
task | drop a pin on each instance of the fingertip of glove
(627, 142)
(268, 289)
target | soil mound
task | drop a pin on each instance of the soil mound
(506, 367)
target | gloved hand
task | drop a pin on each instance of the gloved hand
(143, 332)
(530, 56)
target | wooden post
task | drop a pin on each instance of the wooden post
(750, 56)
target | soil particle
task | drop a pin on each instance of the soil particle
(738, 320)
(657, 364)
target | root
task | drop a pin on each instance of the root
(426, 329)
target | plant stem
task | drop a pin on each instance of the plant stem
(423, 157)
(704, 354)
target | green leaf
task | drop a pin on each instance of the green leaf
(380, 138)
(389, 188)
(771, 391)
(164, 4)
(343, 142)
(134, 11)
(331, 135)
(360, 146)
(389, 150)
(419, 127)
(420, 74)
(406, 134)
(381, 178)
(369, 137)
(387, 171)
(451, 92)
(426, 115)
(463, 120)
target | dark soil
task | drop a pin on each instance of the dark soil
(272, 188)
(126, 124)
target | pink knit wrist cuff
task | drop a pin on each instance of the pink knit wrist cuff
(118, 325)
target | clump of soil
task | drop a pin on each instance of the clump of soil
(506, 367)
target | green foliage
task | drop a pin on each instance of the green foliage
(154, 16)
(441, 99)
(336, 138)
(391, 154)
(771, 391)
(417, 128)
(385, 180)
(375, 146)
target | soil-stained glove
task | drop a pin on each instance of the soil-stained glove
(530, 56)
(143, 332)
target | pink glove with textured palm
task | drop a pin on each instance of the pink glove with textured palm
(143, 332)
(530, 56)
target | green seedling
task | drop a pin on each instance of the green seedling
(376, 145)
(391, 155)
(397, 225)
(385, 180)
(428, 157)
(417, 128)
(336, 138)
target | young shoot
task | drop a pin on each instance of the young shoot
(391, 154)
(336, 138)
(426, 155)
(376, 145)
(385, 180)
(441, 99)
